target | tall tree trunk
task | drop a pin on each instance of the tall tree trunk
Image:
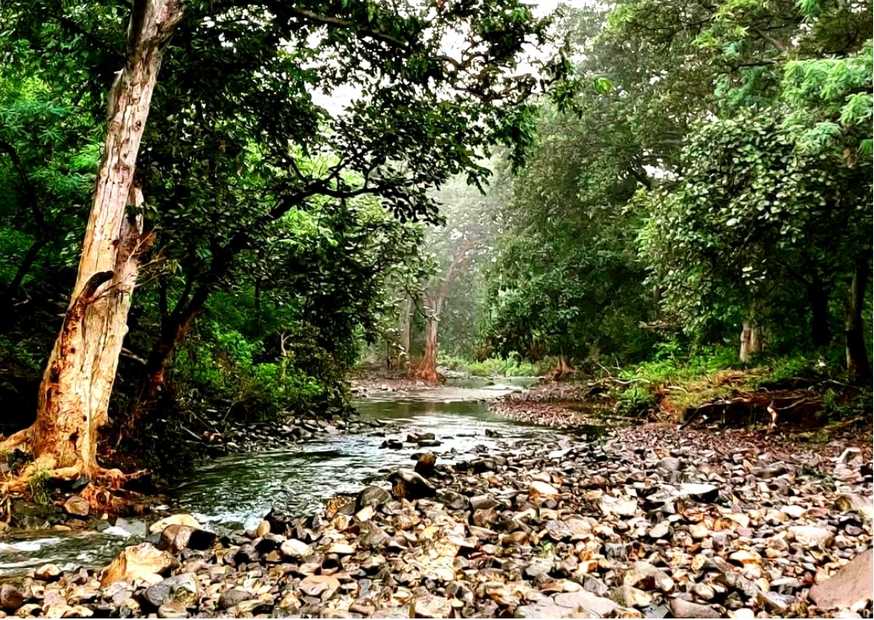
(404, 325)
(858, 366)
(817, 297)
(77, 383)
(750, 341)
(427, 368)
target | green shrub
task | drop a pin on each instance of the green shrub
(635, 400)
(511, 366)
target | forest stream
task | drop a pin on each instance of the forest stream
(237, 490)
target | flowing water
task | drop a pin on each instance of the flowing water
(237, 490)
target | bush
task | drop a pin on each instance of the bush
(222, 363)
(511, 366)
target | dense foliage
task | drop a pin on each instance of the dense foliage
(716, 171)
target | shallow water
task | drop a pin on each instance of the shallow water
(237, 490)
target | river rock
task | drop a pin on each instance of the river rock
(849, 588)
(431, 606)
(704, 493)
(625, 507)
(11, 597)
(688, 609)
(407, 484)
(425, 464)
(47, 572)
(703, 591)
(234, 596)
(539, 489)
(659, 530)
(178, 519)
(182, 589)
(177, 537)
(586, 603)
(372, 496)
(812, 536)
(141, 561)
(629, 596)
(322, 586)
(295, 549)
(478, 502)
(77, 505)
(647, 576)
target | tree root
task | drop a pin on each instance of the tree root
(16, 441)
(44, 468)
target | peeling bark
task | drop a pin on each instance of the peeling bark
(77, 383)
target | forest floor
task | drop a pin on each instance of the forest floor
(650, 520)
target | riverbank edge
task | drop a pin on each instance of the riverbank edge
(532, 531)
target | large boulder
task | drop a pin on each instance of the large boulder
(407, 484)
(178, 519)
(11, 597)
(177, 537)
(372, 496)
(848, 588)
(143, 561)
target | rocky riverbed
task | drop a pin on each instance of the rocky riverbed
(651, 522)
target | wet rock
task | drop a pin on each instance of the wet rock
(420, 437)
(77, 505)
(182, 590)
(47, 572)
(372, 496)
(849, 588)
(177, 537)
(425, 464)
(233, 597)
(393, 444)
(688, 609)
(11, 598)
(407, 484)
(141, 561)
(178, 519)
